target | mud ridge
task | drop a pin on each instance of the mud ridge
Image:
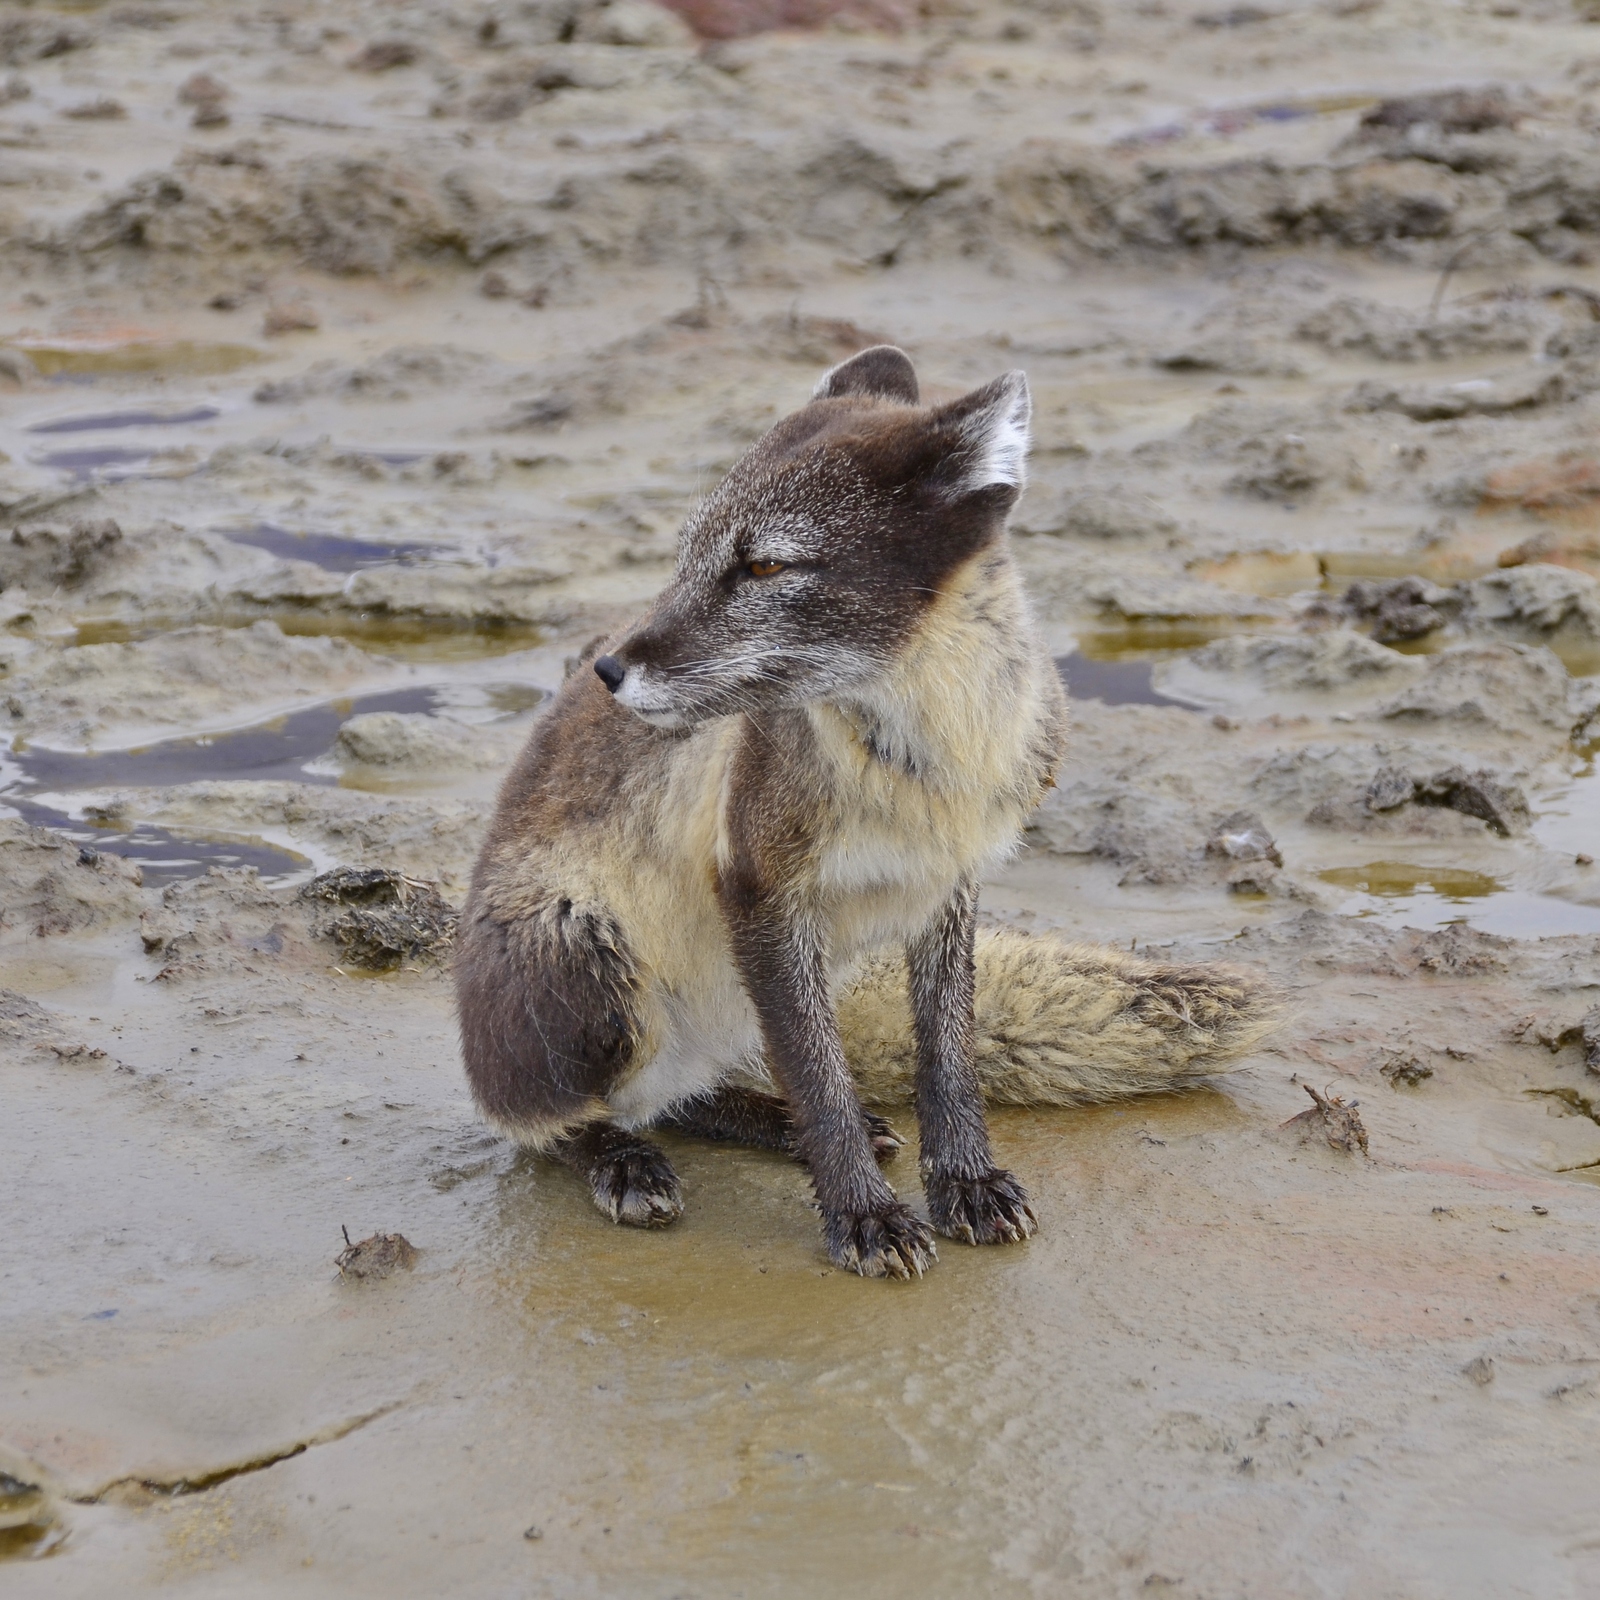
(198, 1483)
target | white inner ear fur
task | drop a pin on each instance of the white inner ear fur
(998, 436)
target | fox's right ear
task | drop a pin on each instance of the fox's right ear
(987, 434)
(883, 372)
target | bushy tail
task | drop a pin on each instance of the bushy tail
(1065, 1024)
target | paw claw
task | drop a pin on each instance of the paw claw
(638, 1188)
(882, 1136)
(892, 1243)
(993, 1209)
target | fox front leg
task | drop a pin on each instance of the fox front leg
(866, 1228)
(969, 1197)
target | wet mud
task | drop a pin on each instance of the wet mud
(356, 373)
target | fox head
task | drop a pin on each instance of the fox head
(802, 574)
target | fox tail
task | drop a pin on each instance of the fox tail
(1065, 1024)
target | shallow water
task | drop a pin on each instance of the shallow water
(284, 748)
(1569, 816)
(1138, 641)
(414, 639)
(1391, 879)
(162, 855)
(189, 358)
(1115, 681)
(104, 422)
(1400, 895)
(329, 551)
(102, 461)
(278, 749)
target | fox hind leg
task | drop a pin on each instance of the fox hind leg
(630, 1179)
(745, 1116)
(549, 1026)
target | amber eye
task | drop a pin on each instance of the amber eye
(765, 569)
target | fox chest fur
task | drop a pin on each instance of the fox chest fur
(930, 777)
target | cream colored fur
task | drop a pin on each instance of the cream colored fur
(1064, 1024)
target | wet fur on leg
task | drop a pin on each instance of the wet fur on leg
(969, 1197)
(630, 1179)
(762, 1121)
(890, 1242)
(993, 1209)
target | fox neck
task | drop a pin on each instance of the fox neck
(962, 696)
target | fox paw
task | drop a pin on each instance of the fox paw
(891, 1243)
(993, 1209)
(637, 1186)
(885, 1142)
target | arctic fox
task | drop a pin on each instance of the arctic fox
(732, 881)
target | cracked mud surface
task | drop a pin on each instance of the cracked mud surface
(355, 375)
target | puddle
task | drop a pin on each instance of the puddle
(1455, 560)
(164, 857)
(1391, 878)
(427, 641)
(1263, 572)
(1114, 682)
(190, 358)
(1569, 818)
(1579, 655)
(106, 421)
(101, 461)
(284, 749)
(27, 1527)
(30, 1540)
(1227, 122)
(275, 750)
(1401, 895)
(329, 551)
(1134, 640)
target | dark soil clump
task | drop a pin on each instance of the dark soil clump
(380, 1256)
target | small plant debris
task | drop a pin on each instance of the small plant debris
(1405, 1069)
(1458, 951)
(1335, 1119)
(379, 1256)
(389, 919)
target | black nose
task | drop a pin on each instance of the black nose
(610, 672)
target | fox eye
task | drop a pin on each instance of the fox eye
(765, 569)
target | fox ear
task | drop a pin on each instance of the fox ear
(883, 372)
(990, 426)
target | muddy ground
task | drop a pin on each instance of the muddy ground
(358, 363)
